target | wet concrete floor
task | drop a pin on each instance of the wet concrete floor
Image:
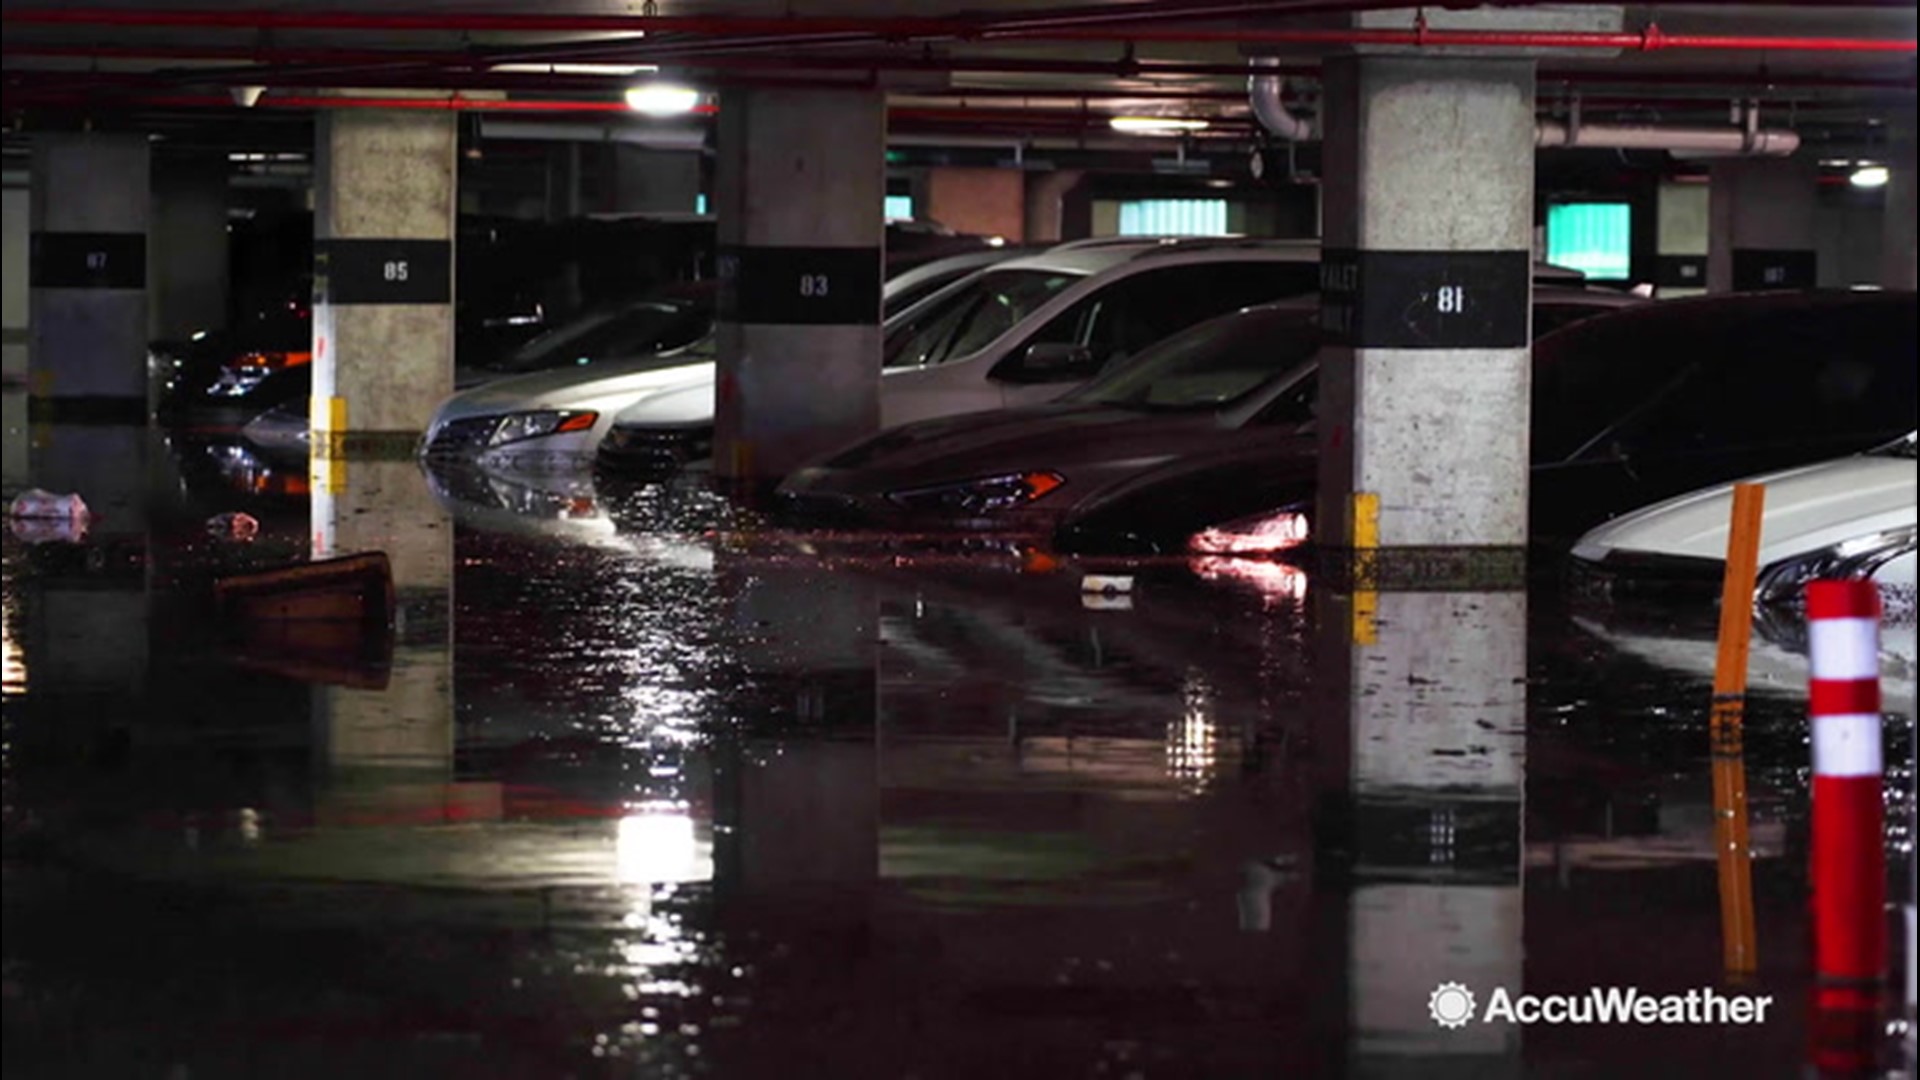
(639, 789)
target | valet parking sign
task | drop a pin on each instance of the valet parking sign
(1453, 1005)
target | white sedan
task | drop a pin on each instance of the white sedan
(1852, 517)
(551, 421)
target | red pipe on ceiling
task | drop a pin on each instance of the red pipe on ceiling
(269, 57)
(1648, 40)
(42, 83)
(290, 101)
(457, 103)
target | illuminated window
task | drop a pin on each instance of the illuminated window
(1173, 217)
(899, 208)
(1594, 238)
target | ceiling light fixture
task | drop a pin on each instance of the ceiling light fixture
(1156, 125)
(610, 70)
(1869, 176)
(662, 99)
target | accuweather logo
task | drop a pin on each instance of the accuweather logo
(1452, 1005)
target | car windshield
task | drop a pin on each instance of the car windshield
(969, 319)
(1902, 447)
(1213, 364)
(632, 330)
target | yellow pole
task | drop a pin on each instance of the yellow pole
(1729, 702)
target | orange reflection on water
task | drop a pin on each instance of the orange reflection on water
(1273, 580)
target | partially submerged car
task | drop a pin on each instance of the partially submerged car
(1021, 333)
(554, 419)
(669, 318)
(1851, 517)
(1240, 385)
(1628, 408)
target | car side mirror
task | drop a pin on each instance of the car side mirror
(1057, 358)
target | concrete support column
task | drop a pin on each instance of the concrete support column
(800, 187)
(90, 206)
(1046, 197)
(1426, 284)
(384, 205)
(15, 294)
(1681, 240)
(187, 263)
(563, 181)
(1428, 712)
(1897, 245)
(1761, 213)
(398, 720)
(803, 813)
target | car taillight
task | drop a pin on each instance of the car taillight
(275, 361)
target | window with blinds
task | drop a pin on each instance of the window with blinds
(1173, 217)
(1595, 238)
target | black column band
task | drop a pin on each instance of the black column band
(88, 409)
(1426, 299)
(1680, 272)
(76, 260)
(803, 286)
(370, 271)
(1774, 268)
(1394, 839)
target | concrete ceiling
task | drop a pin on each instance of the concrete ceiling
(1007, 69)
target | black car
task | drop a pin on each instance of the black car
(1628, 408)
(667, 318)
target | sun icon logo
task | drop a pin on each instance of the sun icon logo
(1451, 1005)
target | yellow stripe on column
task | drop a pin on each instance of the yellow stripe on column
(1365, 530)
(1366, 520)
(326, 464)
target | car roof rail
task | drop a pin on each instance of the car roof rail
(1186, 244)
(1085, 243)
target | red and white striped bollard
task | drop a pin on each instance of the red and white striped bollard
(1849, 872)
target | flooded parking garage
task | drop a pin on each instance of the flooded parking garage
(1051, 538)
(638, 785)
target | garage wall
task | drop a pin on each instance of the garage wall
(986, 202)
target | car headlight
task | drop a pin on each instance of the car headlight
(1782, 582)
(532, 425)
(986, 495)
(237, 382)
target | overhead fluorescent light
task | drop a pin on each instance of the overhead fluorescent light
(1156, 125)
(610, 70)
(1869, 176)
(662, 99)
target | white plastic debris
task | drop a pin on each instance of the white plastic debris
(1106, 583)
(42, 517)
(234, 525)
(43, 505)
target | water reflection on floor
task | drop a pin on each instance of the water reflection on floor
(641, 789)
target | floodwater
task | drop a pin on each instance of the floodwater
(640, 788)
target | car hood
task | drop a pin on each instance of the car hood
(581, 387)
(1057, 436)
(1806, 509)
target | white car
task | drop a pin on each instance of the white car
(552, 420)
(1022, 333)
(1852, 517)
